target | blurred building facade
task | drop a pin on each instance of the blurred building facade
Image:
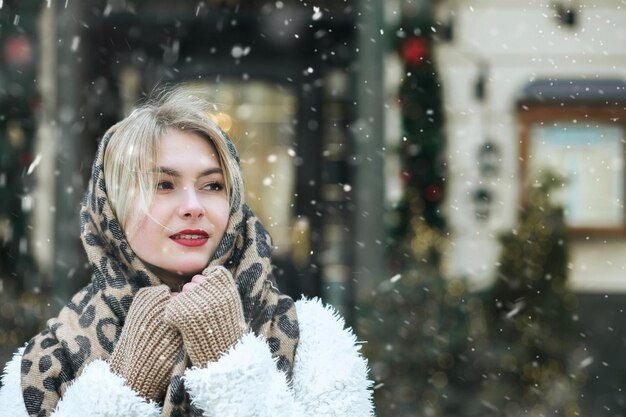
(510, 73)
(535, 90)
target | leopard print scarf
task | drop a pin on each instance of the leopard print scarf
(88, 327)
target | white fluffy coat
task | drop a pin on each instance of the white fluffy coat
(330, 379)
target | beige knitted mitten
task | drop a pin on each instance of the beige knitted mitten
(209, 316)
(147, 348)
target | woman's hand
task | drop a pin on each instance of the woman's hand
(209, 315)
(195, 281)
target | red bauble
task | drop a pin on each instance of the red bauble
(433, 193)
(18, 50)
(414, 50)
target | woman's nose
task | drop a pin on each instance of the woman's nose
(191, 207)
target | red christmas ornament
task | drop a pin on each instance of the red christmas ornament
(414, 50)
(433, 193)
(18, 50)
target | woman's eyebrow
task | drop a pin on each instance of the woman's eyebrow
(210, 171)
(174, 173)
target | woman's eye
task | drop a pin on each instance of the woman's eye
(214, 186)
(164, 185)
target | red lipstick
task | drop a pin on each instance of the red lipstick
(190, 237)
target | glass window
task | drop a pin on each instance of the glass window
(259, 118)
(590, 159)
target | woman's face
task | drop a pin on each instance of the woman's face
(189, 213)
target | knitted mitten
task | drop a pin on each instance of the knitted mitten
(209, 316)
(147, 348)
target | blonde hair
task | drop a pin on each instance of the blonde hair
(131, 154)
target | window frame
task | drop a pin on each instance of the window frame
(531, 114)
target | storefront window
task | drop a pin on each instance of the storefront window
(589, 157)
(583, 148)
(258, 116)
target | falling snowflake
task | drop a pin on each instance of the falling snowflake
(317, 14)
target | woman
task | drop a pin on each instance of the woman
(182, 316)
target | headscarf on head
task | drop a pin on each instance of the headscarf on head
(88, 327)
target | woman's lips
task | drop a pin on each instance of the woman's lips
(191, 237)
